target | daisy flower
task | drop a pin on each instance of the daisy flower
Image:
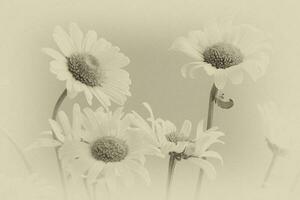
(31, 188)
(100, 146)
(198, 150)
(279, 131)
(224, 51)
(91, 65)
(280, 134)
(163, 133)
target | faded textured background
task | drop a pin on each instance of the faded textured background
(144, 30)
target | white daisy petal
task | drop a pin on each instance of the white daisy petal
(139, 170)
(63, 41)
(76, 35)
(88, 96)
(212, 154)
(184, 45)
(91, 66)
(186, 128)
(54, 54)
(57, 130)
(222, 46)
(43, 142)
(94, 172)
(57, 67)
(65, 123)
(90, 40)
(236, 75)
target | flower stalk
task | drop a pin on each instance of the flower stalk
(18, 149)
(269, 170)
(54, 115)
(172, 163)
(210, 114)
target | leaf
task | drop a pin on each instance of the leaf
(223, 102)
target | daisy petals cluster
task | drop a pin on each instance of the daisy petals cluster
(225, 51)
(90, 65)
(101, 146)
(181, 143)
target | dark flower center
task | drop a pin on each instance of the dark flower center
(109, 149)
(222, 55)
(84, 68)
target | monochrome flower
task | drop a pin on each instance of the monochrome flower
(91, 65)
(182, 144)
(224, 51)
(279, 132)
(32, 187)
(100, 146)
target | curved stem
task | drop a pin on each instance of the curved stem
(58, 103)
(172, 163)
(210, 115)
(268, 173)
(18, 149)
(54, 115)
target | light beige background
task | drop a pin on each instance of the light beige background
(144, 30)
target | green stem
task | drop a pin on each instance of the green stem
(54, 115)
(269, 170)
(172, 163)
(210, 115)
(18, 149)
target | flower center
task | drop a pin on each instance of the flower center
(109, 149)
(84, 68)
(222, 55)
(175, 138)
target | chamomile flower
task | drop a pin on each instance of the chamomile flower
(31, 188)
(91, 65)
(224, 51)
(101, 146)
(198, 150)
(181, 144)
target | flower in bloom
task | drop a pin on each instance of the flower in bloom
(181, 144)
(224, 51)
(280, 132)
(100, 146)
(31, 187)
(91, 65)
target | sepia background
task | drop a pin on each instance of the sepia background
(144, 30)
